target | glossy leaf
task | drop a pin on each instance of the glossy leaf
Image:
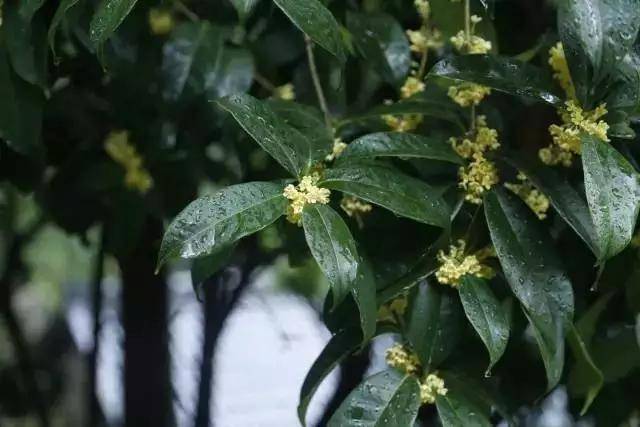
(398, 144)
(387, 399)
(317, 22)
(25, 42)
(401, 194)
(284, 143)
(382, 42)
(534, 273)
(204, 267)
(58, 17)
(28, 8)
(569, 204)
(333, 248)
(500, 73)
(21, 106)
(220, 219)
(586, 378)
(485, 313)
(455, 410)
(433, 321)
(613, 194)
(339, 347)
(107, 18)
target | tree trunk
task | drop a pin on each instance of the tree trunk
(147, 381)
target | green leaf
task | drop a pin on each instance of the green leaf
(387, 399)
(401, 194)
(284, 143)
(534, 273)
(585, 378)
(244, 7)
(616, 352)
(220, 219)
(500, 73)
(596, 35)
(310, 122)
(455, 410)
(486, 316)
(339, 347)
(433, 323)
(317, 22)
(61, 12)
(28, 8)
(382, 42)
(234, 74)
(364, 295)
(613, 194)
(569, 204)
(333, 247)
(399, 144)
(108, 17)
(21, 106)
(25, 42)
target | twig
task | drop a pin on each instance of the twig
(180, 7)
(264, 82)
(316, 81)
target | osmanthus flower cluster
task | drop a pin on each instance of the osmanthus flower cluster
(119, 148)
(437, 171)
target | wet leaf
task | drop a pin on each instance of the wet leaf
(433, 323)
(284, 143)
(586, 378)
(107, 18)
(333, 248)
(204, 267)
(455, 410)
(317, 22)
(58, 17)
(220, 219)
(485, 313)
(397, 144)
(500, 73)
(613, 194)
(534, 273)
(401, 194)
(387, 399)
(382, 42)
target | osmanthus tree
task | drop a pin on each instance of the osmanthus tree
(473, 248)
(465, 174)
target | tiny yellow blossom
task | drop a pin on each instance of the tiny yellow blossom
(354, 206)
(566, 137)
(404, 123)
(305, 193)
(456, 264)
(477, 178)
(484, 139)
(161, 21)
(468, 94)
(423, 39)
(538, 202)
(558, 63)
(403, 359)
(424, 8)
(396, 308)
(473, 45)
(431, 387)
(411, 87)
(338, 148)
(285, 92)
(119, 148)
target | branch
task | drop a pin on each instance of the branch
(316, 81)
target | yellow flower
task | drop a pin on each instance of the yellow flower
(538, 202)
(403, 359)
(306, 192)
(566, 137)
(456, 264)
(477, 178)
(431, 387)
(404, 123)
(423, 39)
(411, 87)
(354, 206)
(558, 63)
(160, 21)
(285, 92)
(338, 148)
(122, 152)
(424, 8)
(473, 45)
(467, 94)
(393, 309)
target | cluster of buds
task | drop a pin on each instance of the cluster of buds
(538, 202)
(125, 154)
(305, 193)
(456, 264)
